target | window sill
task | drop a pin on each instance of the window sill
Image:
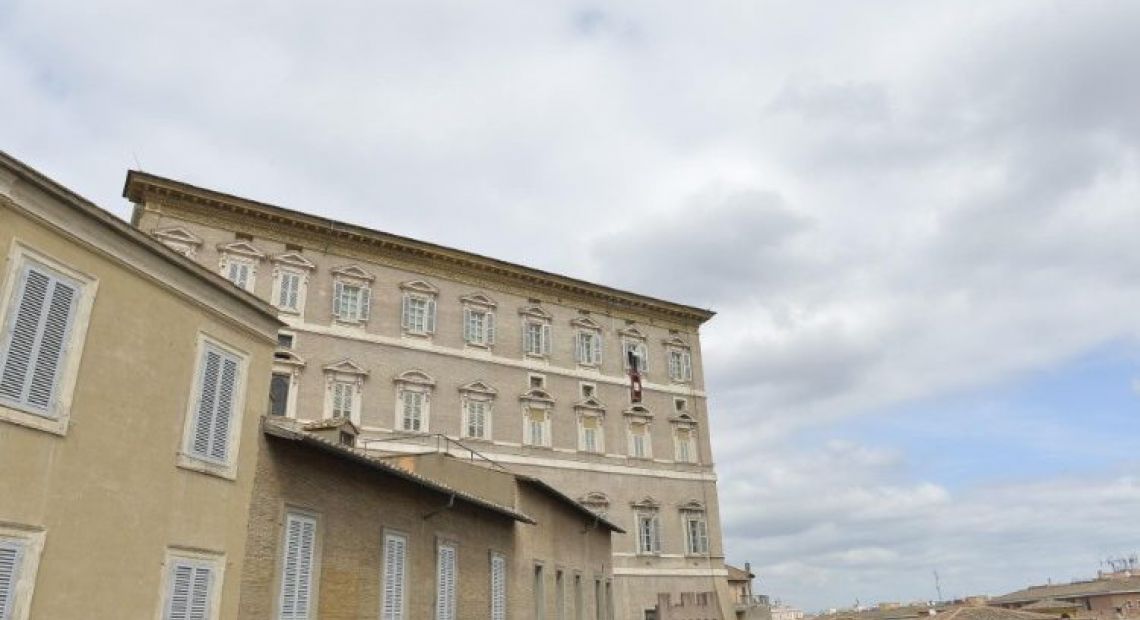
(349, 322)
(219, 470)
(13, 414)
(407, 333)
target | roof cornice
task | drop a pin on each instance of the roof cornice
(141, 186)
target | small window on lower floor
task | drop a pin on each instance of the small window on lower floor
(193, 583)
(19, 560)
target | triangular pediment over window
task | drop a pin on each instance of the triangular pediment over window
(415, 376)
(535, 312)
(346, 367)
(287, 357)
(646, 503)
(293, 259)
(478, 387)
(676, 341)
(693, 505)
(241, 248)
(478, 299)
(537, 395)
(177, 235)
(632, 332)
(595, 500)
(354, 272)
(590, 403)
(419, 286)
(637, 411)
(585, 322)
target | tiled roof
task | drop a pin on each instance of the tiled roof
(969, 612)
(1050, 603)
(1070, 590)
(569, 501)
(292, 430)
(328, 423)
(738, 574)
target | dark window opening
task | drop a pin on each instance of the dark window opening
(278, 394)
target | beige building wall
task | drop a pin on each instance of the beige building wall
(106, 493)
(204, 223)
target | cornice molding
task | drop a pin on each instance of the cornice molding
(318, 232)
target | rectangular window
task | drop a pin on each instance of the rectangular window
(478, 327)
(639, 354)
(11, 557)
(591, 434)
(536, 427)
(696, 534)
(419, 314)
(190, 590)
(536, 338)
(498, 587)
(476, 419)
(588, 348)
(686, 446)
(579, 603)
(239, 272)
(395, 577)
(648, 535)
(680, 365)
(412, 418)
(41, 313)
(445, 583)
(19, 561)
(214, 411)
(351, 302)
(279, 394)
(298, 564)
(599, 609)
(639, 441)
(539, 594)
(342, 395)
(289, 290)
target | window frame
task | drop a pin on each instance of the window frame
(451, 606)
(688, 517)
(214, 561)
(527, 439)
(415, 381)
(402, 613)
(225, 468)
(418, 291)
(682, 371)
(493, 596)
(353, 277)
(291, 264)
(315, 568)
(599, 418)
(19, 254)
(646, 434)
(29, 542)
(651, 544)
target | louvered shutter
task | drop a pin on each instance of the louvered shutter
(297, 576)
(365, 302)
(656, 531)
(338, 295)
(430, 318)
(687, 366)
(11, 553)
(217, 392)
(189, 597)
(35, 343)
(395, 565)
(468, 331)
(579, 354)
(596, 350)
(406, 312)
(498, 587)
(489, 328)
(546, 339)
(445, 583)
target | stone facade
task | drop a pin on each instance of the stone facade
(99, 500)
(377, 360)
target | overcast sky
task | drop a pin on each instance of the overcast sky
(919, 223)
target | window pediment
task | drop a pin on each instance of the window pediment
(683, 420)
(638, 411)
(692, 505)
(293, 259)
(585, 322)
(178, 235)
(646, 503)
(537, 395)
(346, 367)
(535, 312)
(478, 387)
(420, 286)
(478, 299)
(241, 248)
(353, 272)
(632, 332)
(590, 403)
(415, 377)
(676, 341)
(340, 422)
(595, 499)
(288, 358)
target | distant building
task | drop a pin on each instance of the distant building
(1110, 595)
(748, 606)
(781, 611)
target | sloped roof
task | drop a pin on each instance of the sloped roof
(1050, 603)
(738, 574)
(292, 430)
(1070, 590)
(970, 612)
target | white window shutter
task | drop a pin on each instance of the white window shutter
(406, 313)
(37, 337)
(338, 291)
(297, 576)
(498, 587)
(11, 553)
(445, 583)
(546, 339)
(430, 319)
(687, 365)
(207, 401)
(596, 353)
(578, 355)
(189, 597)
(365, 302)
(643, 358)
(468, 335)
(214, 415)
(395, 567)
(489, 328)
(223, 417)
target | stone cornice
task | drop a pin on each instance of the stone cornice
(142, 188)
